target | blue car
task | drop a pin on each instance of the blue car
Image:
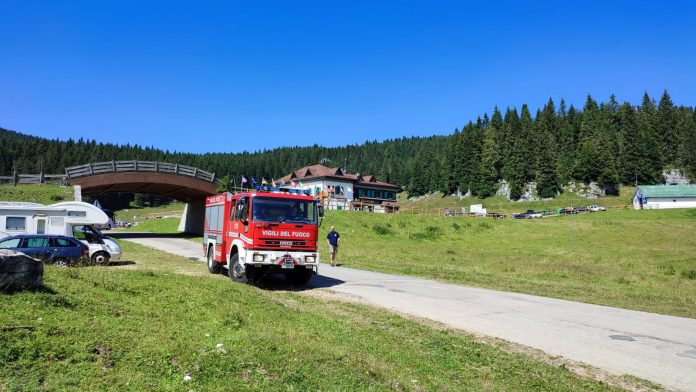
(59, 250)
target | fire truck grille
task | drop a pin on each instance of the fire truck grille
(285, 244)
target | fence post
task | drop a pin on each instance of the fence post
(14, 176)
(113, 165)
(195, 171)
(41, 177)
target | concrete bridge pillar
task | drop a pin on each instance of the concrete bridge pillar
(193, 218)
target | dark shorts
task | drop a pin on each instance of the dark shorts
(333, 249)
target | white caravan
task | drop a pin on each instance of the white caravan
(70, 218)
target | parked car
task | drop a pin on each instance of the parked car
(519, 215)
(595, 208)
(60, 250)
(531, 214)
(578, 210)
(566, 211)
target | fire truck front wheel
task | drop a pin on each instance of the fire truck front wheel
(239, 273)
(213, 266)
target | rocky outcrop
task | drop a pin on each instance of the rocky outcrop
(675, 177)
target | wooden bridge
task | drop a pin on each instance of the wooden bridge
(185, 183)
(181, 182)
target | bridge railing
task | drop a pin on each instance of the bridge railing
(138, 166)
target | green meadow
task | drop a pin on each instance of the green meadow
(148, 324)
(642, 260)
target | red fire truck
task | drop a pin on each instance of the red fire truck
(269, 230)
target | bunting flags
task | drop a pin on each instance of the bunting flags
(253, 182)
(264, 181)
(293, 183)
(244, 180)
(273, 183)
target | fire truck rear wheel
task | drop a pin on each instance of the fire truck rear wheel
(299, 276)
(239, 273)
(213, 266)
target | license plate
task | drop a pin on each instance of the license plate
(285, 243)
(288, 264)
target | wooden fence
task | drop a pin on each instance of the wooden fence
(40, 178)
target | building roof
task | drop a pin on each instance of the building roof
(336, 173)
(667, 190)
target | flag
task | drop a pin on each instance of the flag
(273, 183)
(244, 180)
(299, 183)
(263, 181)
(293, 183)
(253, 181)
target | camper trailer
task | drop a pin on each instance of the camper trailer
(72, 219)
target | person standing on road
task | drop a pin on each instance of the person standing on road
(332, 239)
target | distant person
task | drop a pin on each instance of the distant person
(332, 239)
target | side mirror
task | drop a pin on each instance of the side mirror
(321, 210)
(245, 222)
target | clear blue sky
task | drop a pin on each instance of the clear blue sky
(201, 76)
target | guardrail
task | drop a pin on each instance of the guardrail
(138, 166)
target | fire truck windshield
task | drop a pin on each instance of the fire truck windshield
(270, 209)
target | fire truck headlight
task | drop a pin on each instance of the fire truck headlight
(310, 259)
(258, 258)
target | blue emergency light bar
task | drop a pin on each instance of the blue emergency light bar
(266, 188)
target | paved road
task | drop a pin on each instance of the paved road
(655, 347)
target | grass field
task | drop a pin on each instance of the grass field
(146, 325)
(163, 225)
(433, 204)
(643, 260)
(135, 214)
(39, 193)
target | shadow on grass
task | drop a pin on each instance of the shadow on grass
(120, 263)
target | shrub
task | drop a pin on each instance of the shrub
(56, 198)
(381, 229)
(689, 274)
(430, 233)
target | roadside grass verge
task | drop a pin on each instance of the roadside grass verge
(642, 260)
(110, 328)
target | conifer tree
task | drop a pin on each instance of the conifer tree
(651, 147)
(666, 125)
(487, 178)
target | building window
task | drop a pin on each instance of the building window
(15, 223)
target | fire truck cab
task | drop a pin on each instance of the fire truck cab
(268, 230)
